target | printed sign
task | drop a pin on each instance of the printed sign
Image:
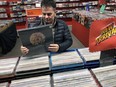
(34, 12)
(102, 35)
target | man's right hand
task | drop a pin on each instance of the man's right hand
(24, 50)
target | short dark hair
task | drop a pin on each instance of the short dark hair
(48, 3)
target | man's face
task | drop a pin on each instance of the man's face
(48, 14)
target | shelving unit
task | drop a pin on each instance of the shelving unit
(3, 10)
(65, 8)
(15, 10)
(111, 5)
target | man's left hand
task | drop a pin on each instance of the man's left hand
(53, 47)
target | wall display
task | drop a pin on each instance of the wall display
(110, 4)
(15, 10)
(37, 39)
(65, 8)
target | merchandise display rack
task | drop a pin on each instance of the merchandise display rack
(83, 61)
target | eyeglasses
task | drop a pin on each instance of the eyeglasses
(48, 14)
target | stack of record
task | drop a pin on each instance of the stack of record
(31, 65)
(106, 75)
(78, 78)
(7, 67)
(41, 81)
(65, 61)
(91, 60)
(5, 84)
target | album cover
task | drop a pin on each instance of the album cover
(76, 78)
(89, 56)
(66, 58)
(7, 67)
(40, 81)
(29, 64)
(106, 75)
(36, 39)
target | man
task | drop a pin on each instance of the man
(62, 36)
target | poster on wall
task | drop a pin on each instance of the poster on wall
(102, 35)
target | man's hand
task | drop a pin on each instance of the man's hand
(24, 50)
(53, 47)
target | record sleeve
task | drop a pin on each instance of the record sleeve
(29, 64)
(36, 39)
(70, 57)
(41, 81)
(89, 56)
(7, 67)
(106, 75)
(77, 78)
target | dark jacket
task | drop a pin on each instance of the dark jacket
(62, 35)
(8, 38)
